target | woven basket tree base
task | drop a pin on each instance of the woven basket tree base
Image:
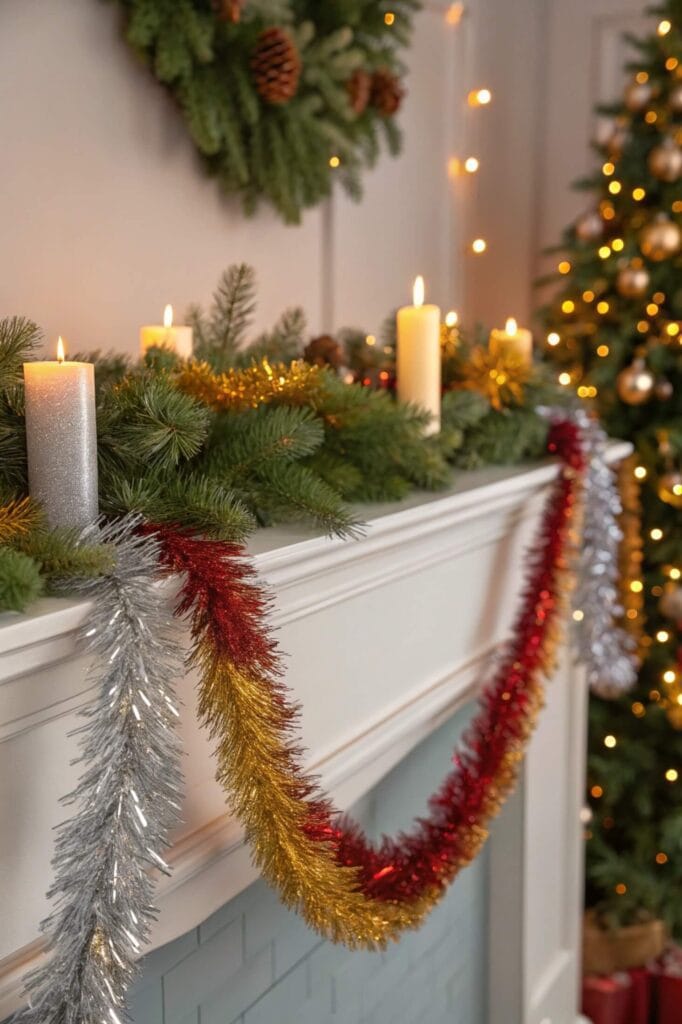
(634, 946)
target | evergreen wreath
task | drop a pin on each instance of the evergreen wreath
(280, 96)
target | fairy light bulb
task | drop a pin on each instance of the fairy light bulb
(455, 13)
(610, 741)
(471, 164)
(664, 27)
(553, 339)
(479, 97)
(451, 319)
(656, 533)
(479, 245)
(639, 472)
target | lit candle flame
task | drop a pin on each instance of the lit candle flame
(61, 355)
(418, 291)
(168, 316)
(452, 319)
(511, 326)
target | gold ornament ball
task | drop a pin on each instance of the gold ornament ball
(665, 161)
(670, 604)
(660, 239)
(674, 714)
(589, 227)
(635, 384)
(638, 96)
(633, 282)
(670, 488)
(675, 98)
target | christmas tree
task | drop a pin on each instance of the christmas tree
(614, 329)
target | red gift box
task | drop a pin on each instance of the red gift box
(640, 996)
(670, 987)
(669, 999)
(608, 1000)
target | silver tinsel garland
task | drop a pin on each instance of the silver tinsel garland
(126, 801)
(605, 649)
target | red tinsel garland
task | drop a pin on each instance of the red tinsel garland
(232, 642)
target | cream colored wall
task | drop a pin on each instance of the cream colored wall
(105, 214)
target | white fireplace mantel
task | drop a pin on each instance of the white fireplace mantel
(386, 636)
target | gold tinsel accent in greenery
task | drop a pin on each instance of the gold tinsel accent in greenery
(499, 377)
(17, 519)
(238, 390)
(631, 554)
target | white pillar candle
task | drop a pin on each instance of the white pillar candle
(418, 356)
(513, 341)
(177, 338)
(61, 439)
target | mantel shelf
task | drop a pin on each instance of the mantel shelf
(385, 635)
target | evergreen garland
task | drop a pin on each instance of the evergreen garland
(280, 95)
(235, 441)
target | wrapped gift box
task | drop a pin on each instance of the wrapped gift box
(608, 999)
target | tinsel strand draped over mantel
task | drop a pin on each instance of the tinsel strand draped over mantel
(127, 799)
(324, 867)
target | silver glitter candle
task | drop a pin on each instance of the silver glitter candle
(61, 440)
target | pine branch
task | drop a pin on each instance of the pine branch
(243, 444)
(62, 555)
(20, 580)
(147, 422)
(198, 503)
(294, 492)
(221, 335)
(19, 339)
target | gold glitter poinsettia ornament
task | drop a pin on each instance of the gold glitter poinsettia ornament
(499, 377)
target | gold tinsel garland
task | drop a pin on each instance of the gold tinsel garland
(238, 390)
(631, 551)
(497, 376)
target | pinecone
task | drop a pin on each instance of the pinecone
(276, 66)
(228, 10)
(324, 351)
(387, 92)
(359, 87)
